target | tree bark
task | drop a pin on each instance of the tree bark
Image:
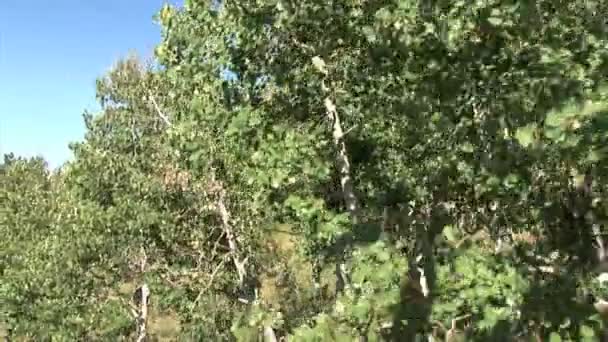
(230, 236)
(342, 161)
(143, 314)
(350, 199)
(269, 335)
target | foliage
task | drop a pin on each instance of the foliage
(472, 138)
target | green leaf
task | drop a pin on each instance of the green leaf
(448, 232)
(588, 332)
(495, 21)
(555, 337)
(467, 147)
(525, 135)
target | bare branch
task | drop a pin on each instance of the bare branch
(216, 187)
(133, 310)
(212, 278)
(240, 265)
(158, 111)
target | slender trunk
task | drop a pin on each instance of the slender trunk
(342, 161)
(143, 314)
(239, 264)
(144, 292)
(350, 199)
(269, 335)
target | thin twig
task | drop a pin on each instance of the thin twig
(213, 253)
(348, 131)
(301, 45)
(213, 274)
(217, 244)
(132, 308)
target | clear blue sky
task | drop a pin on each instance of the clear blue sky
(50, 55)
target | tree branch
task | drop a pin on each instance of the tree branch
(211, 279)
(217, 188)
(230, 236)
(158, 111)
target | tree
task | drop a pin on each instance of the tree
(439, 102)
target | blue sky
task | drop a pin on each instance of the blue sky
(50, 55)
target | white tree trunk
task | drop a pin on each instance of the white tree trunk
(342, 160)
(143, 314)
(343, 165)
(269, 335)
